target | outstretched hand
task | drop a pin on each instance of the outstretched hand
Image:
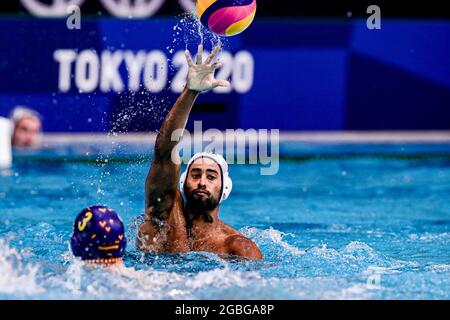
(201, 74)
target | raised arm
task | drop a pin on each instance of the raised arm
(162, 179)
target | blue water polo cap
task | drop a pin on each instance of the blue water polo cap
(98, 235)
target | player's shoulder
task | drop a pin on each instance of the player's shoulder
(240, 245)
(233, 235)
(237, 238)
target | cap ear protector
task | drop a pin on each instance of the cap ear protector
(227, 184)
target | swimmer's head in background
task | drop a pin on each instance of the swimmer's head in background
(98, 235)
(26, 127)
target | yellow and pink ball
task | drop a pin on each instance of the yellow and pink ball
(226, 17)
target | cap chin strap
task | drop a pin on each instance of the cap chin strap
(103, 261)
(227, 184)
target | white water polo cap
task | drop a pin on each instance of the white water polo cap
(227, 184)
(20, 112)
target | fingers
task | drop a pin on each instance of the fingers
(216, 65)
(213, 54)
(221, 83)
(188, 58)
(200, 54)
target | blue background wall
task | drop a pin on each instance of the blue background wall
(309, 75)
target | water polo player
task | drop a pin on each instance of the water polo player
(186, 219)
(98, 236)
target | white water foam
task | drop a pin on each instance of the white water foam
(439, 267)
(289, 273)
(15, 276)
(272, 235)
(120, 282)
(431, 237)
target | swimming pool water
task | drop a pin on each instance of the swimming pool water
(336, 227)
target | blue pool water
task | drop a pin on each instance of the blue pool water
(336, 222)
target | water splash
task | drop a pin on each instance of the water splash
(189, 32)
(15, 276)
(272, 237)
(289, 272)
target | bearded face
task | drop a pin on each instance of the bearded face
(203, 185)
